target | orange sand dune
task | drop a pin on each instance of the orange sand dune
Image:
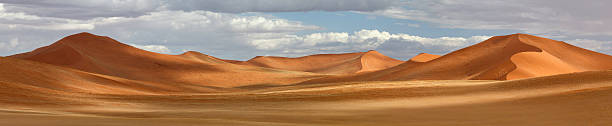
(498, 58)
(197, 56)
(346, 63)
(423, 57)
(103, 55)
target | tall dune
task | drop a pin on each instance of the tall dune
(347, 63)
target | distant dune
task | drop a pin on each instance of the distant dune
(347, 63)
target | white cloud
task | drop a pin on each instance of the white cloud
(364, 39)
(262, 24)
(562, 18)
(153, 48)
(19, 20)
(595, 45)
(334, 42)
(10, 45)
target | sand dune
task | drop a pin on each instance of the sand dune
(347, 63)
(498, 58)
(519, 79)
(203, 58)
(103, 55)
(423, 57)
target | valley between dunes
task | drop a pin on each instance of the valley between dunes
(518, 79)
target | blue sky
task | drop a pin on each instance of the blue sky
(242, 29)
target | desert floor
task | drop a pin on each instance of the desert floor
(557, 100)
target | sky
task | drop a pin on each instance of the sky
(242, 29)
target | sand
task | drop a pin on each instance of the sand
(570, 99)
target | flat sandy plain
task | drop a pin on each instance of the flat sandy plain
(569, 99)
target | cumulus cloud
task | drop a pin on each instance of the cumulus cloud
(562, 18)
(153, 48)
(397, 45)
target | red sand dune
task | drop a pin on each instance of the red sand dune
(103, 55)
(498, 58)
(347, 63)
